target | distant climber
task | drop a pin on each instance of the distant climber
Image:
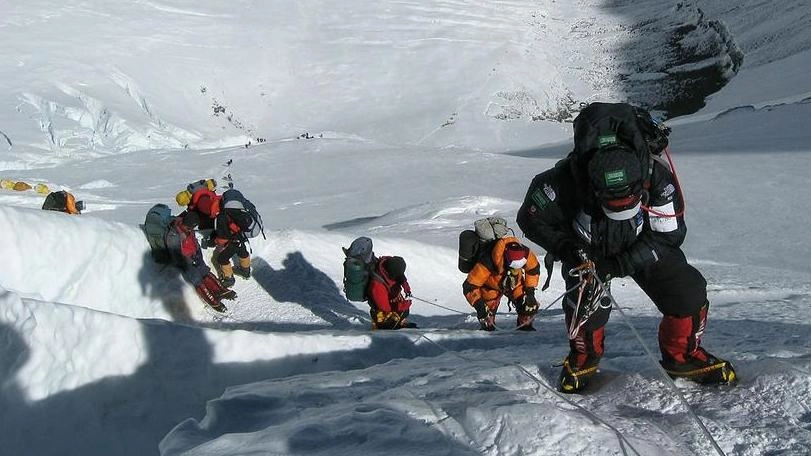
(63, 201)
(388, 293)
(186, 254)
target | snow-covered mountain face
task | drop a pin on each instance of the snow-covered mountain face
(403, 121)
(161, 75)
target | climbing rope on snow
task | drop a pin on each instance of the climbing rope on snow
(668, 381)
(562, 295)
(620, 437)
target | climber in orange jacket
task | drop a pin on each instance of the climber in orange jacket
(512, 270)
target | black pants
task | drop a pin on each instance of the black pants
(674, 286)
(223, 255)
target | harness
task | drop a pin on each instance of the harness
(591, 296)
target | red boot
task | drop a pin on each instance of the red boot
(585, 352)
(212, 293)
(682, 355)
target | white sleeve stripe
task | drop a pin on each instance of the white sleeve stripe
(663, 224)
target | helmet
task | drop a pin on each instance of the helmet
(360, 248)
(615, 175)
(211, 184)
(183, 198)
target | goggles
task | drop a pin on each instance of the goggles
(621, 203)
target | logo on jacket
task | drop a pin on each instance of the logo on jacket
(668, 190)
(606, 140)
(539, 198)
(550, 192)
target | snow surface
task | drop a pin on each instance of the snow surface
(423, 116)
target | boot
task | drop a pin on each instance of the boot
(702, 367)
(488, 323)
(227, 275)
(524, 322)
(404, 323)
(573, 378)
(585, 352)
(387, 320)
(243, 269)
(682, 355)
(209, 298)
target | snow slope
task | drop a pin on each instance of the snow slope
(446, 110)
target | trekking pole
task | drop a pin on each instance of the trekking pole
(668, 380)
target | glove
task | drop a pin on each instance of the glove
(607, 268)
(207, 242)
(481, 309)
(530, 303)
(570, 252)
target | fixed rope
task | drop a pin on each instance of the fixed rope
(562, 295)
(668, 380)
(540, 382)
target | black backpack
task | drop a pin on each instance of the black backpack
(601, 126)
(234, 199)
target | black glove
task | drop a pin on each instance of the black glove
(530, 303)
(571, 253)
(608, 268)
(208, 241)
(481, 309)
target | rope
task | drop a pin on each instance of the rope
(678, 188)
(620, 437)
(668, 381)
(438, 305)
(562, 295)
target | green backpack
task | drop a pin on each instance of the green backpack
(357, 269)
(155, 226)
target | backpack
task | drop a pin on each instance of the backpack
(601, 126)
(62, 201)
(479, 241)
(358, 264)
(156, 225)
(209, 184)
(234, 199)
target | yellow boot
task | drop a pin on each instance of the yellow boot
(227, 275)
(243, 269)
